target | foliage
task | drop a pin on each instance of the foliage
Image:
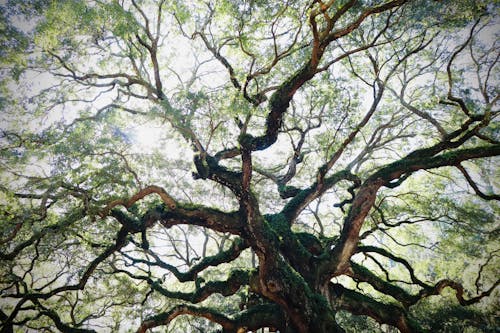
(306, 166)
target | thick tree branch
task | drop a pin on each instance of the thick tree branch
(166, 198)
(387, 254)
(365, 197)
(196, 215)
(265, 315)
(166, 317)
(304, 197)
(280, 99)
(362, 274)
(459, 291)
(360, 304)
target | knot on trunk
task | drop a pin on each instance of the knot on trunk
(274, 286)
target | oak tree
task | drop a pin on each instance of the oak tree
(301, 166)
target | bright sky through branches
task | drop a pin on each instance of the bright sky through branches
(307, 166)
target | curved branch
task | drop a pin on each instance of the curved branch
(356, 23)
(229, 255)
(61, 326)
(387, 254)
(121, 241)
(459, 291)
(197, 215)
(166, 198)
(365, 197)
(264, 315)
(450, 96)
(361, 273)
(166, 317)
(360, 304)
(280, 99)
(236, 279)
(35, 296)
(216, 53)
(71, 218)
(475, 187)
(306, 196)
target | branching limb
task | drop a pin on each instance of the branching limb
(387, 254)
(63, 327)
(216, 50)
(198, 215)
(281, 181)
(459, 291)
(68, 220)
(166, 317)
(451, 97)
(35, 295)
(306, 196)
(363, 274)
(166, 198)
(360, 273)
(475, 187)
(228, 255)
(280, 99)
(236, 279)
(265, 315)
(360, 304)
(366, 195)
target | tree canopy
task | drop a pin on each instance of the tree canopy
(235, 165)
